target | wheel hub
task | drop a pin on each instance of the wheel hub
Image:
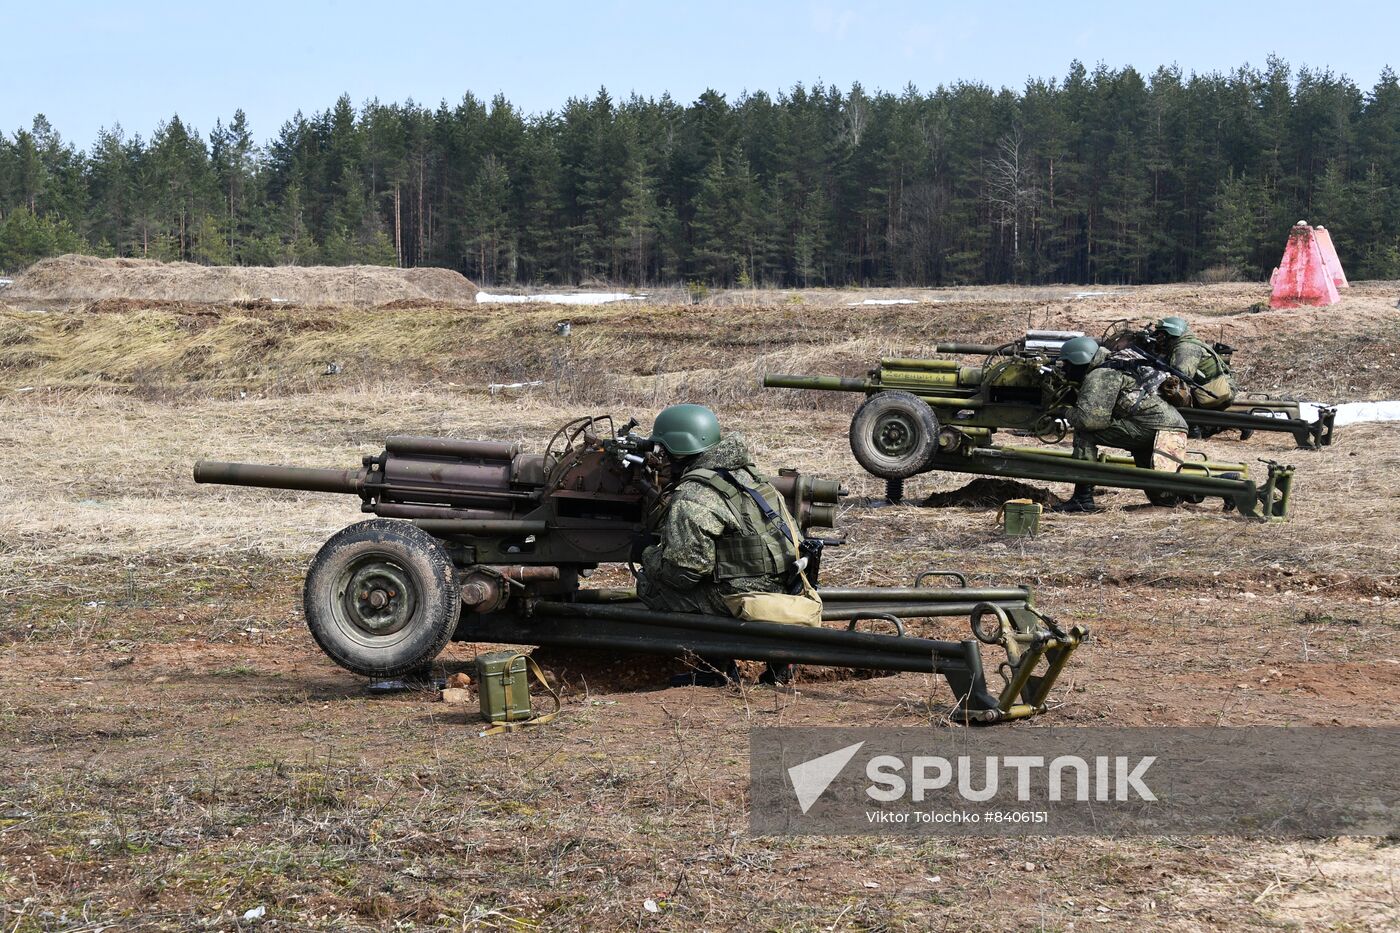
(894, 436)
(377, 596)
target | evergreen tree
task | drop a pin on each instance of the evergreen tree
(1107, 175)
(1237, 224)
(488, 210)
(639, 223)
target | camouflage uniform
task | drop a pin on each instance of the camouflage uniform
(1116, 410)
(1198, 359)
(714, 540)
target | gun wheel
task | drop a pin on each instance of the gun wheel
(382, 598)
(894, 435)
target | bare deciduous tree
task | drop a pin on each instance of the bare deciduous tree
(1011, 188)
(857, 114)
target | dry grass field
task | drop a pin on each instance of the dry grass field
(178, 752)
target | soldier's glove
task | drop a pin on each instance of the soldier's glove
(1175, 391)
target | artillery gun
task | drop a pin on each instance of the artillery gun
(923, 415)
(1310, 424)
(479, 542)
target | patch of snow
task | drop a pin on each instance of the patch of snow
(495, 387)
(1090, 294)
(587, 298)
(1361, 412)
(6, 283)
(883, 301)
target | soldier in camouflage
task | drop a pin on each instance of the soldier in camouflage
(1116, 408)
(1216, 387)
(713, 538)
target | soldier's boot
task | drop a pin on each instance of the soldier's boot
(776, 674)
(1081, 501)
(1143, 459)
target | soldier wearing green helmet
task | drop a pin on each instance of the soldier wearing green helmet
(1216, 387)
(713, 537)
(1116, 407)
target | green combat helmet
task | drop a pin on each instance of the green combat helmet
(1079, 351)
(1174, 326)
(686, 430)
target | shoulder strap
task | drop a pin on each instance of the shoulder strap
(705, 477)
(769, 513)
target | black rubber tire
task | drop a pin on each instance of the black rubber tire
(406, 553)
(910, 417)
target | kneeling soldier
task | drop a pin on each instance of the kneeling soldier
(1214, 385)
(1115, 409)
(721, 529)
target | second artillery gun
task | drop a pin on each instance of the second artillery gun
(477, 541)
(925, 415)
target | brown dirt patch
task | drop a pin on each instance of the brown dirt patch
(990, 493)
(585, 672)
(590, 672)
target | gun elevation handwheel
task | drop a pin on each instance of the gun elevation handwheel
(382, 598)
(894, 435)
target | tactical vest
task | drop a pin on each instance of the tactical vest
(758, 548)
(1211, 364)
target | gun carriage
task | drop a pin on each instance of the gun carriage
(924, 415)
(477, 541)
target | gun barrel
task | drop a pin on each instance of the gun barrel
(969, 349)
(348, 482)
(827, 383)
(821, 491)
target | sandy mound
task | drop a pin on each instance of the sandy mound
(78, 279)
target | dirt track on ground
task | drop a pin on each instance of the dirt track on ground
(179, 752)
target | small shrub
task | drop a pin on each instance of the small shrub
(1217, 275)
(698, 291)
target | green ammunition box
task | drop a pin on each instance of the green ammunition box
(1020, 518)
(504, 686)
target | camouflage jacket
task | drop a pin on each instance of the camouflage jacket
(1196, 358)
(694, 565)
(1108, 394)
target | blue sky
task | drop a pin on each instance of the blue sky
(87, 64)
